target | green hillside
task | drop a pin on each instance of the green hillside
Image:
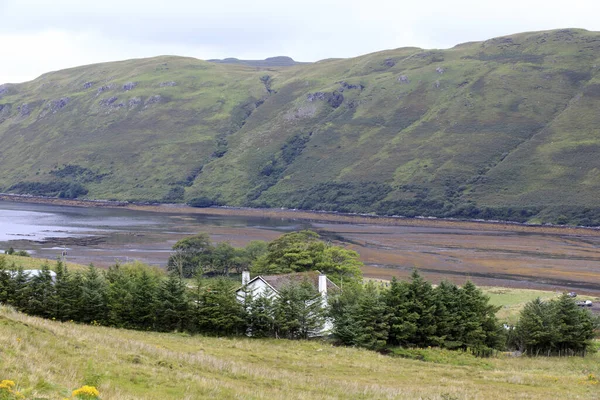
(501, 129)
(49, 359)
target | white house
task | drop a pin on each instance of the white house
(272, 284)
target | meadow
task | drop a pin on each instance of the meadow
(49, 359)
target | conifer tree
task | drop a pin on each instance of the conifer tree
(373, 317)
(260, 315)
(299, 311)
(171, 304)
(403, 317)
(94, 297)
(60, 305)
(40, 293)
(422, 304)
(220, 312)
(145, 292)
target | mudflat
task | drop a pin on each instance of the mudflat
(492, 254)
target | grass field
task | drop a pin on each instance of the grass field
(35, 263)
(48, 359)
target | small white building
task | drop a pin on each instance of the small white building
(270, 285)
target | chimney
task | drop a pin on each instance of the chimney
(323, 285)
(245, 277)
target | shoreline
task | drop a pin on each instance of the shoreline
(314, 216)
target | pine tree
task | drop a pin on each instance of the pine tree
(171, 304)
(41, 293)
(119, 297)
(535, 333)
(373, 318)
(299, 311)
(422, 303)
(403, 318)
(7, 287)
(144, 294)
(220, 312)
(94, 297)
(260, 315)
(574, 327)
(60, 304)
(344, 311)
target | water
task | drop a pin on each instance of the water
(104, 236)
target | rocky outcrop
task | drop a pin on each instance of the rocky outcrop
(403, 79)
(154, 99)
(129, 86)
(346, 86)
(389, 63)
(440, 70)
(134, 101)
(105, 88)
(167, 84)
(108, 102)
(24, 109)
(88, 85)
(334, 99)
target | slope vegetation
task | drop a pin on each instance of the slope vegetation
(48, 359)
(501, 129)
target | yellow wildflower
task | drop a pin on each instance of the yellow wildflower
(7, 384)
(86, 392)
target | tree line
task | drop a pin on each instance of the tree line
(411, 313)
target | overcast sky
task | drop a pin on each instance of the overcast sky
(41, 36)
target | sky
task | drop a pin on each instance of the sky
(42, 36)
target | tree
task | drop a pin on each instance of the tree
(171, 304)
(403, 318)
(144, 297)
(219, 311)
(373, 318)
(292, 252)
(93, 297)
(299, 311)
(535, 332)
(303, 251)
(260, 315)
(189, 254)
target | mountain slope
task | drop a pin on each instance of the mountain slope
(505, 129)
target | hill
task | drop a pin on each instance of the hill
(500, 129)
(48, 359)
(280, 61)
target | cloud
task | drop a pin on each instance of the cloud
(39, 36)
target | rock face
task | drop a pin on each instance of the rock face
(56, 105)
(154, 99)
(388, 62)
(104, 88)
(334, 99)
(134, 101)
(88, 85)
(404, 79)
(440, 70)
(345, 85)
(24, 110)
(108, 102)
(129, 86)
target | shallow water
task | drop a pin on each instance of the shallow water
(116, 234)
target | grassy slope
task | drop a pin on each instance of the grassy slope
(35, 263)
(506, 122)
(49, 359)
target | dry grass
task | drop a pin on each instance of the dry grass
(35, 263)
(48, 359)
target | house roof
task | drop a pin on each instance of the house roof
(277, 282)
